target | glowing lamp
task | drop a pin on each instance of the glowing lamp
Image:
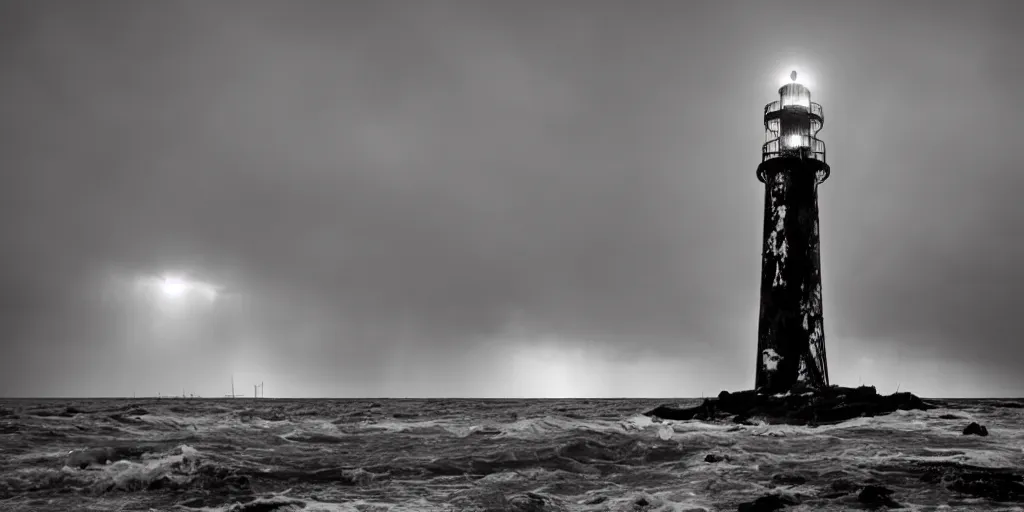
(792, 123)
(794, 141)
(794, 94)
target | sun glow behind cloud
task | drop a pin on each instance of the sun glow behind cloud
(175, 287)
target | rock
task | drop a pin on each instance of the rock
(705, 411)
(712, 458)
(975, 429)
(951, 417)
(82, 459)
(831, 405)
(768, 504)
(877, 496)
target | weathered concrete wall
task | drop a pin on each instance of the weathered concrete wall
(791, 339)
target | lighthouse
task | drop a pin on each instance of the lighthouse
(790, 334)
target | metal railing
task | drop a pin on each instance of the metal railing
(773, 149)
(814, 110)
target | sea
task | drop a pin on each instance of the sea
(376, 455)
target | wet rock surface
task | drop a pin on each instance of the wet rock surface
(975, 429)
(713, 457)
(768, 504)
(832, 405)
(877, 496)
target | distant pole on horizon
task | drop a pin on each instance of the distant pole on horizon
(790, 333)
(232, 386)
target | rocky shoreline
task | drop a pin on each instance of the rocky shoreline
(831, 405)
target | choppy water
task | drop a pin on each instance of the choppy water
(470, 455)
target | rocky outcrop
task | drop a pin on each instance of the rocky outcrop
(831, 405)
(975, 429)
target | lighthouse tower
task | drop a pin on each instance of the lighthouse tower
(790, 334)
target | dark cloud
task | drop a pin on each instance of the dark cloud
(403, 198)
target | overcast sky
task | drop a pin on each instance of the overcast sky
(519, 198)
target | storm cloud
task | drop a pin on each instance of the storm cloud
(497, 198)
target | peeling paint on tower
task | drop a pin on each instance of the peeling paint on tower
(791, 340)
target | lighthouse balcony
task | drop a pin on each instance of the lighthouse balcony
(799, 146)
(775, 108)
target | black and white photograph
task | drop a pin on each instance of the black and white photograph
(511, 255)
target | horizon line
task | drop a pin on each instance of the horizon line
(179, 397)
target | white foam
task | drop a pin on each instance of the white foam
(131, 475)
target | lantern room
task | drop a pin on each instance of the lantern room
(791, 124)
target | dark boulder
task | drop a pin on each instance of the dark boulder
(712, 458)
(768, 504)
(975, 429)
(877, 496)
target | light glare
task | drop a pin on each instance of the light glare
(177, 288)
(173, 287)
(802, 77)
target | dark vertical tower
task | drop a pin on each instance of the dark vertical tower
(790, 334)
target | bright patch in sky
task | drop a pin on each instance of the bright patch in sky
(173, 287)
(178, 288)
